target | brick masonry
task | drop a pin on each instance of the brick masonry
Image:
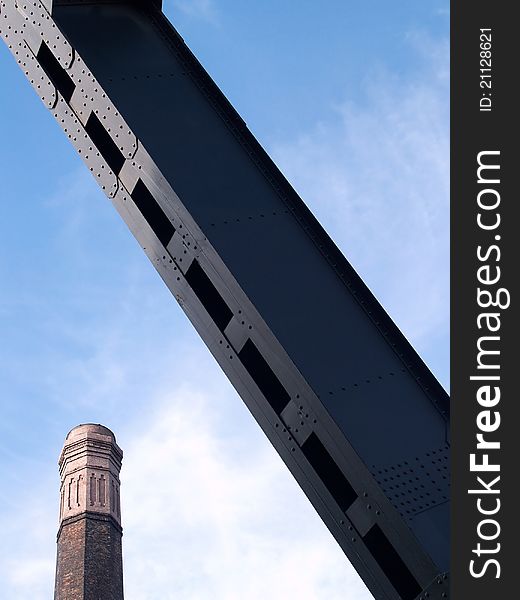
(89, 562)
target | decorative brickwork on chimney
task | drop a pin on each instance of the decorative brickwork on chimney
(89, 561)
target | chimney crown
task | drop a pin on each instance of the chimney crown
(90, 463)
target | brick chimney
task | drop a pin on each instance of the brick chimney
(89, 562)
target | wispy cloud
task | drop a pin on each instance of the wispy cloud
(209, 509)
(377, 177)
(27, 557)
(199, 9)
(217, 512)
(443, 12)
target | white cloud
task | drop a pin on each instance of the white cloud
(199, 9)
(27, 555)
(377, 177)
(443, 12)
(217, 511)
(209, 509)
(27, 575)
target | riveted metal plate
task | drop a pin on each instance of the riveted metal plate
(76, 133)
(39, 20)
(14, 32)
(90, 98)
(438, 589)
(416, 484)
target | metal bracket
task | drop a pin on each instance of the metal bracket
(438, 589)
(44, 27)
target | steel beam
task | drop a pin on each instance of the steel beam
(351, 408)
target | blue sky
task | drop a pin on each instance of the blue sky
(351, 100)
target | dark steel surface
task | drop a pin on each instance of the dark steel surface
(351, 408)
